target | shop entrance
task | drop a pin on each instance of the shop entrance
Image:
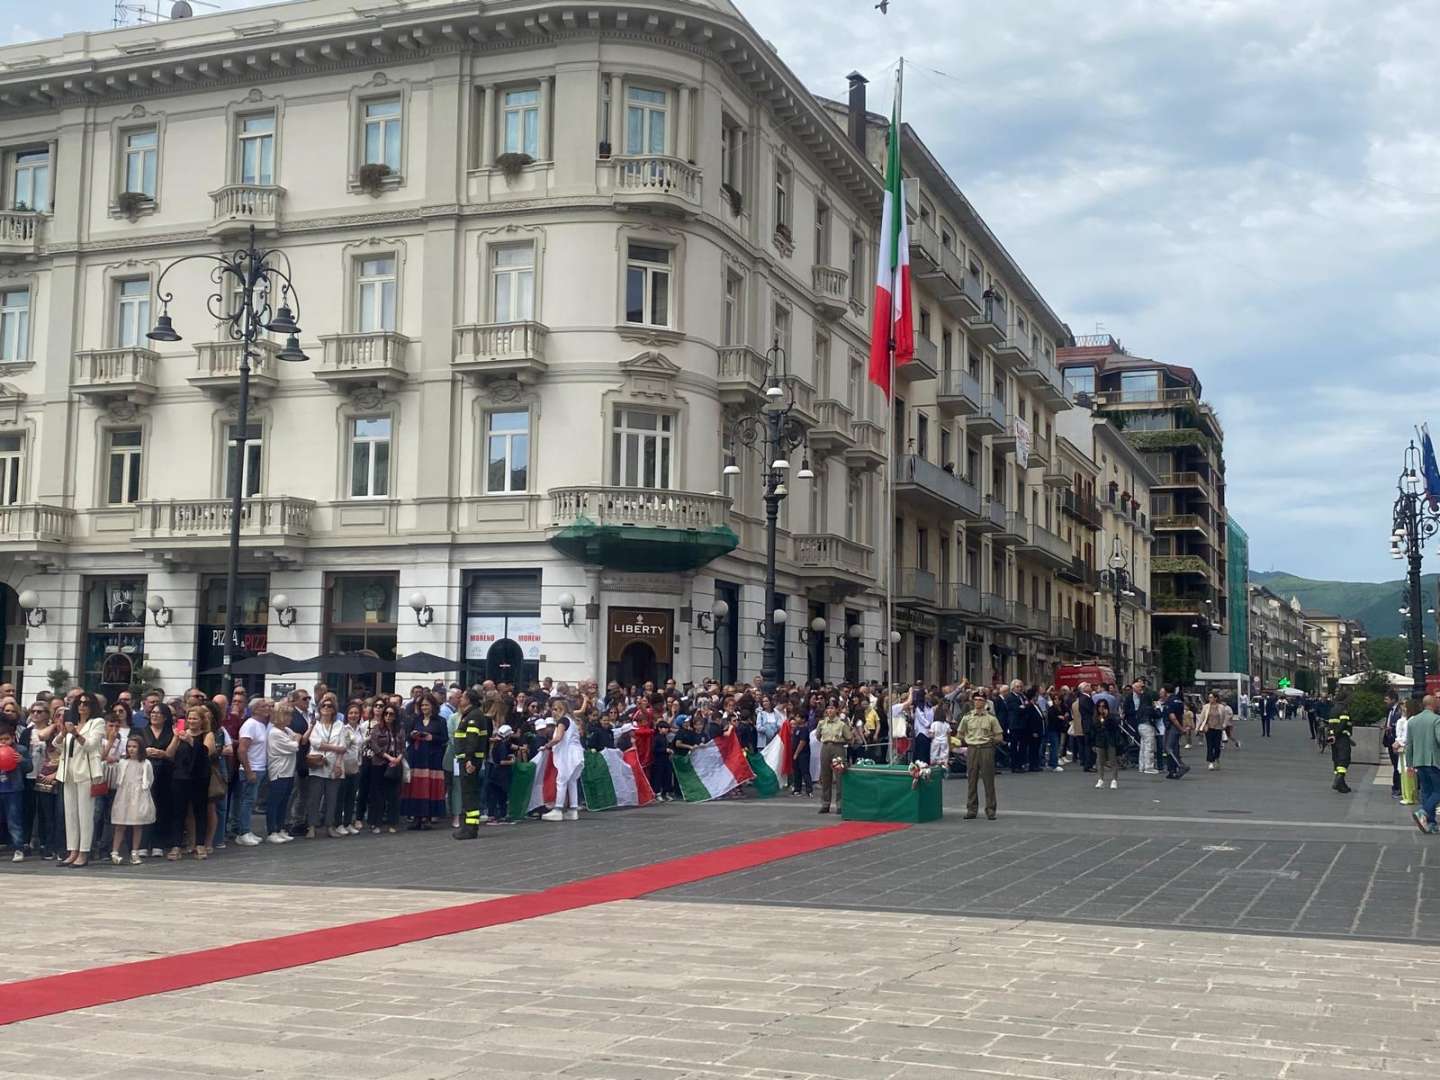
(505, 663)
(639, 646)
(638, 666)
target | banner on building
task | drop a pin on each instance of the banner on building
(1022, 443)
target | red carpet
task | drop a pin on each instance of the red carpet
(121, 982)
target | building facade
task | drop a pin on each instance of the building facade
(1344, 645)
(545, 259)
(1122, 492)
(1164, 416)
(1280, 644)
(976, 541)
(1237, 594)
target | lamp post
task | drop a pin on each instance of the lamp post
(777, 431)
(246, 281)
(1414, 522)
(1116, 580)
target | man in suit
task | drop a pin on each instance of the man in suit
(1007, 711)
(1138, 710)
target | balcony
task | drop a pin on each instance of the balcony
(921, 365)
(274, 526)
(991, 418)
(832, 428)
(1008, 437)
(1179, 564)
(928, 487)
(655, 182)
(803, 397)
(20, 233)
(1179, 605)
(102, 376)
(924, 249)
(957, 598)
(1032, 621)
(958, 394)
(1151, 395)
(833, 567)
(1184, 523)
(1082, 508)
(1196, 483)
(988, 327)
(1038, 456)
(832, 291)
(34, 528)
(868, 452)
(1012, 354)
(217, 367)
(742, 376)
(644, 530)
(1078, 572)
(914, 586)
(957, 291)
(1015, 531)
(1055, 478)
(364, 359)
(991, 518)
(998, 611)
(500, 350)
(1045, 546)
(239, 206)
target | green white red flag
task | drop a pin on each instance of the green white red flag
(893, 325)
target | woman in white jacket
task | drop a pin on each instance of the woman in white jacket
(78, 768)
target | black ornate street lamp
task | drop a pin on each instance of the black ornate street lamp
(1414, 522)
(1116, 580)
(247, 282)
(777, 431)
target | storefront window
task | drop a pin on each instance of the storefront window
(360, 617)
(502, 627)
(252, 629)
(114, 633)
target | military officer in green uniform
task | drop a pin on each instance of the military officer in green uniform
(835, 735)
(472, 739)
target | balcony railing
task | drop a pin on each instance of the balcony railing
(832, 428)
(128, 372)
(741, 373)
(656, 176)
(869, 448)
(238, 206)
(35, 523)
(957, 596)
(20, 231)
(268, 516)
(959, 390)
(826, 551)
(221, 359)
(922, 365)
(1146, 395)
(994, 408)
(832, 289)
(937, 483)
(509, 348)
(1083, 507)
(377, 355)
(648, 507)
(1045, 541)
(917, 584)
(1179, 564)
(996, 607)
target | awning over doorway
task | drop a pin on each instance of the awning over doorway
(644, 549)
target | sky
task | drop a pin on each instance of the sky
(1247, 187)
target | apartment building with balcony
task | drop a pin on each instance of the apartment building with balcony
(1121, 492)
(972, 427)
(544, 257)
(1279, 642)
(1342, 645)
(1161, 409)
(1081, 524)
(1237, 594)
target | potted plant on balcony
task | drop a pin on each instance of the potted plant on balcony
(371, 176)
(130, 203)
(737, 203)
(513, 164)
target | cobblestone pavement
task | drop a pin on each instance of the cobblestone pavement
(660, 991)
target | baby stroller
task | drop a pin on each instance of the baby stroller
(1130, 752)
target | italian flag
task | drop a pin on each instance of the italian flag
(532, 785)
(777, 752)
(893, 323)
(713, 770)
(611, 779)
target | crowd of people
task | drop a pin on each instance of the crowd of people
(149, 776)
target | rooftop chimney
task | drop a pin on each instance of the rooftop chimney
(856, 119)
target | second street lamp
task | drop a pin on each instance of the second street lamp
(1116, 580)
(247, 282)
(776, 431)
(1414, 522)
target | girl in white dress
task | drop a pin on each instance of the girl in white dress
(133, 807)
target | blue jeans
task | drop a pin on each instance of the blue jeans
(13, 805)
(244, 805)
(276, 802)
(1052, 749)
(1428, 778)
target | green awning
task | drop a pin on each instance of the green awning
(647, 549)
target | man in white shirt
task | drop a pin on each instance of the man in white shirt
(250, 755)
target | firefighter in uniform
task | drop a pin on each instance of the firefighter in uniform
(472, 739)
(1340, 735)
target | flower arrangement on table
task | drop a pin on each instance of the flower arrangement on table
(919, 773)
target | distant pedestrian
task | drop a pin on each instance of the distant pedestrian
(1175, 729)
(1109, 737)
(1215, 717)
(1422, 753)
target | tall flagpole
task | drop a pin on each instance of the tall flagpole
(889, 523)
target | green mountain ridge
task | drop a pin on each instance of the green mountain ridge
(1375, 603)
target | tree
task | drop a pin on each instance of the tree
(1305, 680)
(1393, 653)
(1178, 660)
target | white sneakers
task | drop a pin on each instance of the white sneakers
(572, 815)
(1059, 769)
(1100, 783)
(1210, 765)
(335, 833)
(157, 853)
(279, 838)
(19, 856)
(553, 815)
(248, 839)
(1114, 784)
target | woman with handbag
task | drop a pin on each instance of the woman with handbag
(281, 746)
(325, 762)
(386, 746)
(155, 739)
(81, 775)
(112, 752)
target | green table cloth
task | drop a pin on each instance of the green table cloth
(887, 793)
